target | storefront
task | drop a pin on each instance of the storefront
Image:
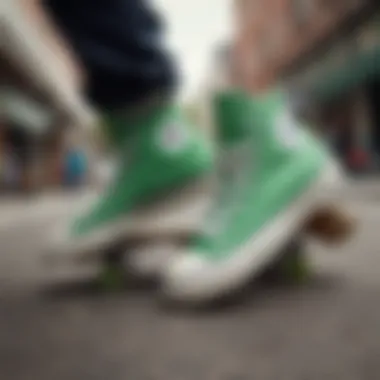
(23, 135)
(343, 86)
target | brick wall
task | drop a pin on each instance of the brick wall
(271, 34)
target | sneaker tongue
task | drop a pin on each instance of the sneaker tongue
(120, 127)
(239, 116)
(233, 117)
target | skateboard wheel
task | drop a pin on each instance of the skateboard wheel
(112, 278)
(331, 224)
(292, 265)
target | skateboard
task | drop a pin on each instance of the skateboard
(163, 225)
(331, 225)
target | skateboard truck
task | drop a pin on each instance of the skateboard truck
(330, 225)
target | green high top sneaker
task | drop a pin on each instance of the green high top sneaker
(275, 175)
(160, 154)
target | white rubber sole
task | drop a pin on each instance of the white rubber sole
(190, 278)
(177, 215)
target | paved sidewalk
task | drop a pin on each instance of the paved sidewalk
(364, 188)
(328, 329)
(20, 211)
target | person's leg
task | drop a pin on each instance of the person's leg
(277, 164)
(131, 81)
(275, 177)
(119, 44)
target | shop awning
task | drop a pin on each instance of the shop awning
(357, 69)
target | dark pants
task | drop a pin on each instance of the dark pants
(119, 44)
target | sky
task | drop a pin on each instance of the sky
(194, 28)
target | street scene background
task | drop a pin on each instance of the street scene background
(54, 325)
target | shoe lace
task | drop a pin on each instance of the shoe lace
(232, 173)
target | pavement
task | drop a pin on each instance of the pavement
(19, 211)
(61, 328)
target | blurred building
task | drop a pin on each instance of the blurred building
(35, 153)
(328, 52)
(34, 118)
(31, 151)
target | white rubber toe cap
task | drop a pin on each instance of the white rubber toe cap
(150, 260)
(191, 278)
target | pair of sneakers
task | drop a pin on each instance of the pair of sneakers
(272, 174)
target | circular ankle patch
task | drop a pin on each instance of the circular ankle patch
(173, 137)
